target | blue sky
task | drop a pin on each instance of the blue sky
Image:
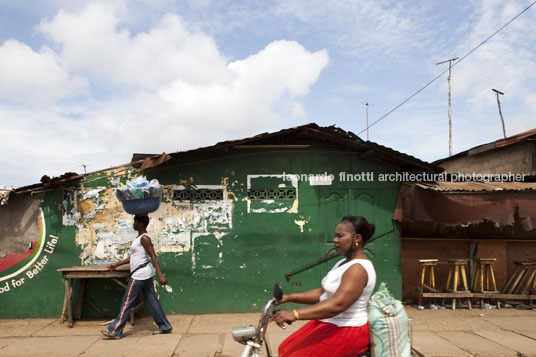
(91, 82)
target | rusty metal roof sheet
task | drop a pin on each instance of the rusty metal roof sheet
(330, 134)
(467, 209)
(447, 186)
(333, 135)
(515, 138)
(526, 135)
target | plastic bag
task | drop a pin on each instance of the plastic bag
(388, 324)
(138, 188)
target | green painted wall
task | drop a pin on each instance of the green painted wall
(222, 265)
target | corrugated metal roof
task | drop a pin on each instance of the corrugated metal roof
(333, 135)
(529, 134)
(448, 186)
(515, 138)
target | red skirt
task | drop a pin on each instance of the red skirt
(318, 338)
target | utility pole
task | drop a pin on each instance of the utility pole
(84, 166)
(450, 118)
(500, 112)
(366, 104)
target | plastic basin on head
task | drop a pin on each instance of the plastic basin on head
(142, 206)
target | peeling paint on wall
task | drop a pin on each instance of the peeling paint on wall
(104, 229)
(272, 205)
(177, 222)
(300, 224)
(226, 254)
(197, 224)
(4, 194)
(70, 214)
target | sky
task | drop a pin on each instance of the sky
(85, 84)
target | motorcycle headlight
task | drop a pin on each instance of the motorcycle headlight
(243, 334)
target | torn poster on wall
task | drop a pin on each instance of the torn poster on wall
(104, 230)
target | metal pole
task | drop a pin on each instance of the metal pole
(450, 116)
(500, 112)
(367, 121)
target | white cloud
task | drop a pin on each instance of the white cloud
(38, 77)
(261, 92)
(123, 76)
(165, 89)
(92, 41)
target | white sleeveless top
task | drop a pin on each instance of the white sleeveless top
(356, 314)
(138, 256)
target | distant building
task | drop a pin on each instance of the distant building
(469, 219)
(514, 154)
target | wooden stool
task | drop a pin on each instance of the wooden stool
(523, 280)
(457, 268)
(430, 264)
(533, 289)
(484, 273)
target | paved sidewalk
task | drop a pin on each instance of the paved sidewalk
(503, 333)
(462, 332)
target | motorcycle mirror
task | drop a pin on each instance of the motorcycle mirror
(278, 292)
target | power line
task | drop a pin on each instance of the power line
(445, 71)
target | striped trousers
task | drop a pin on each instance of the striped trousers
(134, 288)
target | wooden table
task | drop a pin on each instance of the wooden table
(89, 272)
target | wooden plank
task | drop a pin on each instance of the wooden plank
(505, 296)
(95, 274)
(79, 298)
(63, 316)
(92, 268)
(430, 288)
(448, 295)
(69, 304)
(480, 295)
(95, 307)
(120, 283)
(455, 239)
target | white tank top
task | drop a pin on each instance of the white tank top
(356, 314)
(139, 256)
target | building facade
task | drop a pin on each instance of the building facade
(234, 218)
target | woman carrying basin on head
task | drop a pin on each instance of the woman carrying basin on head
(141, 281)
(338, 309)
